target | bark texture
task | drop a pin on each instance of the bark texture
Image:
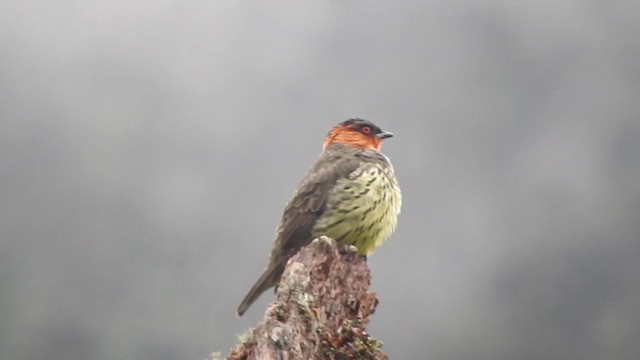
(321, 310)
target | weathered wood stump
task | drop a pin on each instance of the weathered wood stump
(321, 310)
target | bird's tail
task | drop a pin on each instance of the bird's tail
(270, 277)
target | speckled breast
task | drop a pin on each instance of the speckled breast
(362, 209)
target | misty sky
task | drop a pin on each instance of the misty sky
(147, 149)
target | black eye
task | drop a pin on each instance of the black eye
(366, 130)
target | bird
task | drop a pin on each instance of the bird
(350, 194)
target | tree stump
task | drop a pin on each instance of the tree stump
(321, 310)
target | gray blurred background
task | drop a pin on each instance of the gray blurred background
(147, 149)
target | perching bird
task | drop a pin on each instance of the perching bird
(350, 195)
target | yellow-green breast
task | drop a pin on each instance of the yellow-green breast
(362, 209)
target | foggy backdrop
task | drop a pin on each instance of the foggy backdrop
(147, 149)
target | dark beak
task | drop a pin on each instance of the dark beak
(384, 134)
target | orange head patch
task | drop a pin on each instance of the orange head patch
(357, 133)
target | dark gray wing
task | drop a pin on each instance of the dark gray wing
(308, 203)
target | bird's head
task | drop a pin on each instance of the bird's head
(357, 133)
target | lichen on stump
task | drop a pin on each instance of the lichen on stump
(321, 310)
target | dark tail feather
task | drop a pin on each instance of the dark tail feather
(269, 278)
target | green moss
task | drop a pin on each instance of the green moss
(245, 337)
(350, 342)
(279, 312)
(277, 336)
(304, 301)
